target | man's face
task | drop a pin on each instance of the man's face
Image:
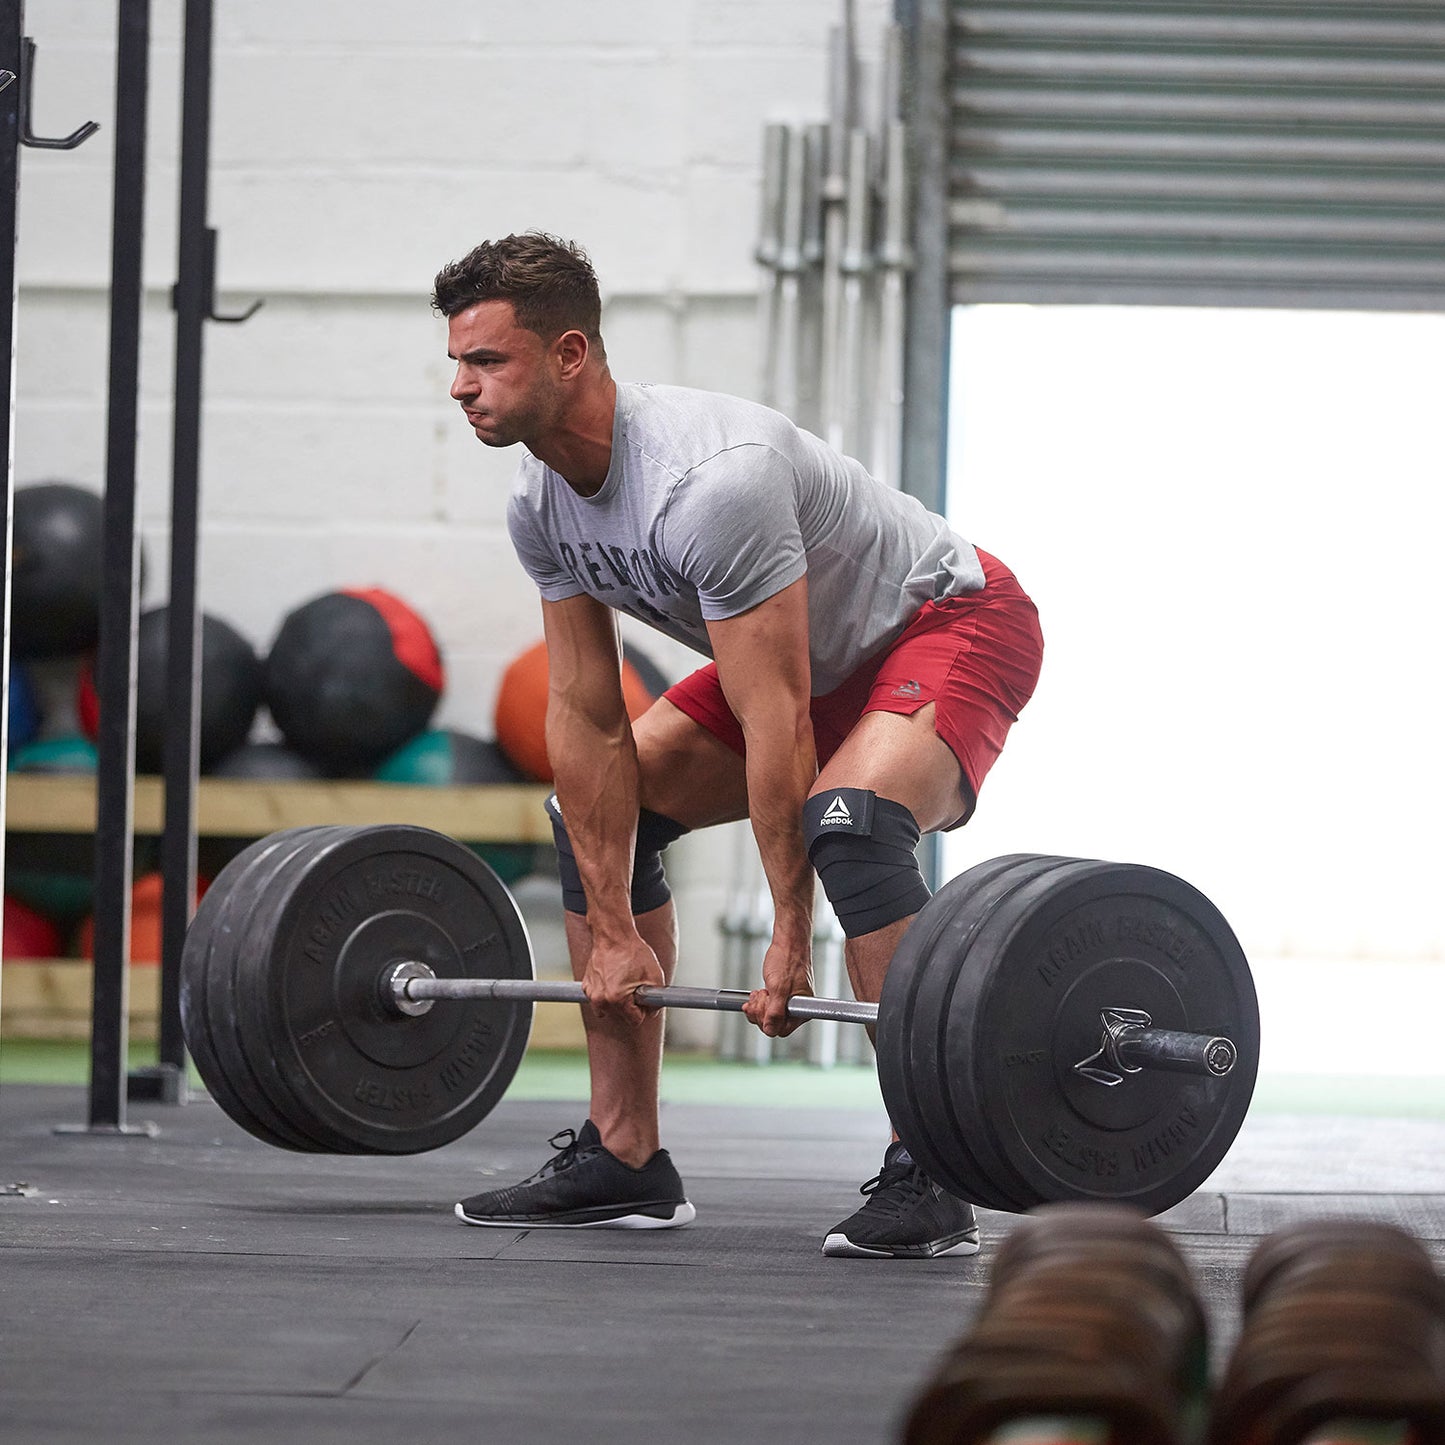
(506, 380)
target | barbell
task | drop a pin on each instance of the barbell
(1050, 1028)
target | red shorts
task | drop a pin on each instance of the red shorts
(976, 658)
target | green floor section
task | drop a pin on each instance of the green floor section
(697, 1078)
(1389, 1097)
(700, 1079)
(38, 1061)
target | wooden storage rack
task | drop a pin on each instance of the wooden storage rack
(52, 997)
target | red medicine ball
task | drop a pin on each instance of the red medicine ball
(29, 934)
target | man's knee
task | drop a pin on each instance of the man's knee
(649, 881)
(863, 848)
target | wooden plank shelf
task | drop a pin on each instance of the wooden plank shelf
(50, 998)
(246, 808)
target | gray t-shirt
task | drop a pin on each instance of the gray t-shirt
(712, 505)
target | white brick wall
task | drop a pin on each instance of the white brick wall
(355, 148)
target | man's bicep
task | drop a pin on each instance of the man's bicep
(732, 530)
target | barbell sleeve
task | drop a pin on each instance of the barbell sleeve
(1150, 1048)
(412, 988)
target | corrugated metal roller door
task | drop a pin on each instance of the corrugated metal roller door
(1225, 154)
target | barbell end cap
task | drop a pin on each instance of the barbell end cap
(392, 988)
(1220, 1056)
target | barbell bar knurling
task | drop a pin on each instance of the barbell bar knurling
(412, 983)
(411, 988)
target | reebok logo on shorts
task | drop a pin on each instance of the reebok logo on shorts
(837, 813)
(908, 689)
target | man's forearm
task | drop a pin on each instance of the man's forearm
(781, 768)
(595, 776)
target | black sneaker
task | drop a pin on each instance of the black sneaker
(585, 1186)
(907, 1216)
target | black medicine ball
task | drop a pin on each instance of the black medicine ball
(352, 676)
(231, 678)
(266, 761)
(56, 570)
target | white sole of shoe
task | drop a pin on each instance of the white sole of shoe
(839, 1246)
(683, 1214)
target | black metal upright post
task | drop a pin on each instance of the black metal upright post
(115, 663)
(12, 29)
(17, 76)
(183, 633)
(195, 303)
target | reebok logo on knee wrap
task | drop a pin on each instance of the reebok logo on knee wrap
(862, 847)
(839, 815)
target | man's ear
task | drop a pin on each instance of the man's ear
(571, 350)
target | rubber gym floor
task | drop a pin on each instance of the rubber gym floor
(201, 1286)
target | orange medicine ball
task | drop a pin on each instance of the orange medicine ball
(522, 710)
(145, 920)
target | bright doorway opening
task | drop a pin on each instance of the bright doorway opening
(1233, 523)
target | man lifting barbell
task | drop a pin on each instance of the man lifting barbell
(867, 664)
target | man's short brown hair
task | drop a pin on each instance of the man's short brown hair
(550, 283)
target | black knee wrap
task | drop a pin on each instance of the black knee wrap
(649, 882)
(863, 849)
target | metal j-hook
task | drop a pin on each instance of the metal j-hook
(246, 315)
(210, 280)
(27, 88)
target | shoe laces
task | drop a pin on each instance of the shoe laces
(567, 1145)
(906, 1182)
